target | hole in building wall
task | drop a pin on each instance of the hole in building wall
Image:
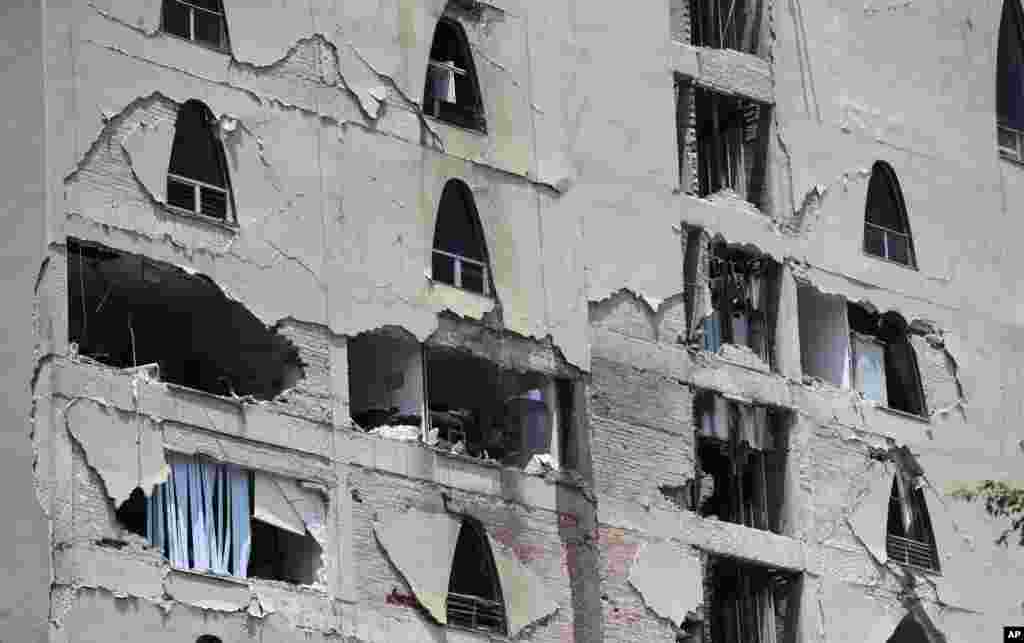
(221, 518)
(852, 347)
(457, 401)
(741, 462)
(749, 603)
(908, 631)
(126, 310)
(732, 295)
(725, 24)
(474, 591)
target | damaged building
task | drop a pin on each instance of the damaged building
(462, 320)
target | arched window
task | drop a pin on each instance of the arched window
(908, 631)
(474, 592)
(197, 178)
(460, 252)
(207, 638)
(884, 363)
(201, 21)
(886, 229)
(1010, 81)
(451, 92)
(909, 539)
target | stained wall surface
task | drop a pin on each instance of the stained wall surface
(336, 176)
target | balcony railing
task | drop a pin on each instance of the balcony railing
(197, 197)
(1011, 143)
(915, 553)
(461, 272)
(476, 613)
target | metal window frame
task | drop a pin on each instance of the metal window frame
(192, 8)
(198, 187)
(1015, 153)
(457, 278)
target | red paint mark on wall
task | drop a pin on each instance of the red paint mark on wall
(404, 600)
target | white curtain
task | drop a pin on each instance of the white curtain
(200, 516)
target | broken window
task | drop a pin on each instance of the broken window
(451, 92)
(208, 638)
(128, 311)
(1010, 82)
(456, 401)
(201, 21)
(909, 631)
(883, 362)
(221, 518)
(824, 336)
(474, 591)
(197, 178)
(749, 603)
(741, 463)
(459, 257)
(909, 539)
(732, 297)
(726, 24)
(723, 142)
(886, 228)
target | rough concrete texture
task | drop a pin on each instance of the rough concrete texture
(336, 175)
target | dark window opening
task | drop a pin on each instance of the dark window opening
(201, 21)
(125, 310)
(883, 361)
(197, 178)
(208, 638)
(726, 24)
(216, 517)
(474, 591)
(452, 92)
(459, 256)
(886, 228)
(909, 539)
(458, 402)
(749, 603)
(723, 143)
(1010, 82)
(741, 463)
(909, 631)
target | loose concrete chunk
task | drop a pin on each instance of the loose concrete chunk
(526, 596)
(125, 450)
(422, 546)
(869, 519)
(149, 151)
(669, 580)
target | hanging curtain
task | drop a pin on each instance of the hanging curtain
(199, 518)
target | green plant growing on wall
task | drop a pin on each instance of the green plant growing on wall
(1002, 500)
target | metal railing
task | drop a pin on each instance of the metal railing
(207, 200)
(915, 553)
(1011, 143)
(464, 266)
(891, 239)
(475, 613)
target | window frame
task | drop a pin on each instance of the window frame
(230, 218)
(474, 118)
(223, 47)
(1011, 11)
(913, 549)
(478, 532)
(459, 190)
(884, 172)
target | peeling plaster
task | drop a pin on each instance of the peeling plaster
(670, 580)
(527, 598)
(149, 152)
(124, 462)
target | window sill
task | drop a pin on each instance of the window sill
(226, 578)
(434, 283)
(923, 419)
(223, 224)
(906, 266)
(482, 133)
(226, 51)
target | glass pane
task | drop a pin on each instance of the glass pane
(899, 248)
(874, 243)
(473, 277)
(214, 203)
(176, 17)
(443, 269)
(181, 195)
(209, 28)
